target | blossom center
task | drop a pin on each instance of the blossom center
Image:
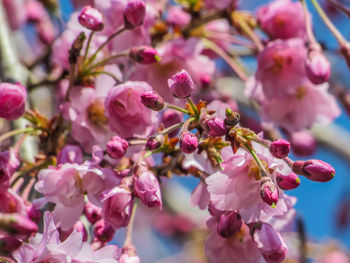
(96, 113)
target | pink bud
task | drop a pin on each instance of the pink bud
(280, 148)
(317, 67)
(171, 117)
(287, 182)
(154, 142)
(117, 205)
(176, 16)
(134, 14)
(92, 213)
(9, 163)
(116, 147)
(314, 170)
(35, 11)
(152, 100)
(103, 232)
(181, 85)
(46, 31)
(144, 55)
(34, 214)
(216, 127)
(269, 191)
(70, 154)
(12, 100)
(129, 255)
(303, 143)
(8, 244)
(17, 224)
(269, 243)
(91, 18)
(188, 142)
(229, 224)
(147, 187)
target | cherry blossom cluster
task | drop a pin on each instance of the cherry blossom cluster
(136, 101)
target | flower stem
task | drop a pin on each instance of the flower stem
(309, 32)
(257, 160)
(172, 128)
(222, 53)
(341, 40)
(170, 106)
(88, 45)
(128, 239)
(15, 132)
(118, 32)
(193, 107)
(107, 59)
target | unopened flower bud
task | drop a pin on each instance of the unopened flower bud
(70, 154)
(154, 142)
(270, 243)
(314, 170)
(229, 224)
(12, 100)
(147, 187)
(34, 213)
(232, 118)
(91, 18)
(134, 14)
(216, 127)
(103, 232)
(280, 148)
(92, 213)
(117, 205)
(152, 100)
(17, 224)
(303, 143)
(129, 255)
(269, 191)
(8, 244)
(317, 67)
(144, 55)
(287, 182)
(116, 147)
(188, 142)
(181, 85)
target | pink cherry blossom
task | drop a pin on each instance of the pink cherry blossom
(282, 19)
(281, 67)
(127, 115)
(237, 186)
(117, 207)
(47, 247)
(238, 248)
(86, 110)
